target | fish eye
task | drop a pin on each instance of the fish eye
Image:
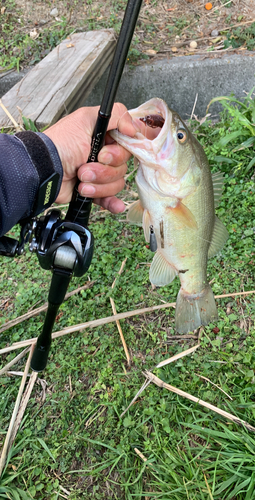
(181, 135)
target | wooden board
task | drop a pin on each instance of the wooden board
(62, 80)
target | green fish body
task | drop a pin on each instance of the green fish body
(177, 199)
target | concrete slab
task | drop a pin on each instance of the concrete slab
(9, 79)
(177, 81)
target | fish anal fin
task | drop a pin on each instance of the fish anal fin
(183, 214)
(161, 272)
(219, 238)
(135, 213)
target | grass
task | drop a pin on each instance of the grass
(29, 32)
(75, 439)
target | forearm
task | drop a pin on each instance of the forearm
(26, 161)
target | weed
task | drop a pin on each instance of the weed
(75, 439)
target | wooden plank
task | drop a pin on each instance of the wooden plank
(62, 80)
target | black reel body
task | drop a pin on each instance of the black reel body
(59, 243)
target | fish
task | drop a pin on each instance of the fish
(176, 207)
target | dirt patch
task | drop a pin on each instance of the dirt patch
(164, 29)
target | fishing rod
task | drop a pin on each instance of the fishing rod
(66, 246)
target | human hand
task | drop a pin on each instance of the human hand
(102, 180)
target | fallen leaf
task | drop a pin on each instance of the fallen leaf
(70, 45)
(3, 10)
(216, 330)
(34, 34)
(174, 49)
(150, 52)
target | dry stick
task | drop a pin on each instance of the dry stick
(193, 109)
(16, 125)
(5, 449)
(88, 324)
(223, 413)
(120, 332)
(215, 385)
(42, 308)
(177, 356)
(115, 313)
(14, 373)
(141, 455)
(14, 361)
(162, 363)
(181, 337)
(108, 319)
(22, 407)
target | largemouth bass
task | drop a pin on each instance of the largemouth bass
(176, 206)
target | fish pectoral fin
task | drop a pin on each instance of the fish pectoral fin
(183, 214)
(135, 213)
(218, 184)
(161, 272)
(219, 238)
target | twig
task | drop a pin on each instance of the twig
(5, 449)
(15, 373)
(223, 413)
(177, 356)
(14, 361)
(35, 312)
(237, 25)
(141, 455)
(145, 384)
(120, 271)
(64, 490)
(19, 129)
(181, 337)
(120, 332)
(115, 313)
(193, 109)
(88, 324)
(22, 407)
(108, 319)
(215, 385)
(162, 363)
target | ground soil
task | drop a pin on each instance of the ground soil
(164, 28)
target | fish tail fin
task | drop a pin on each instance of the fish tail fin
(192, 311)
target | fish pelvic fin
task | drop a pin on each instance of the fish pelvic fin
(193, 311)
(135, 213)
(161, 272)
(183, 214)
(219, 238)
(146, 225)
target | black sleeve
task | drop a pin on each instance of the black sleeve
(27, 159)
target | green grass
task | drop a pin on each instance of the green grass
(76, 438)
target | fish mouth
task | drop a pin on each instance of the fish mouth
(153, 120)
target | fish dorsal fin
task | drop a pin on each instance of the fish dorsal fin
(183, 214)
(146, 225)
(135, 213)
(161, 272)
(219, 238)
(218, 184)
